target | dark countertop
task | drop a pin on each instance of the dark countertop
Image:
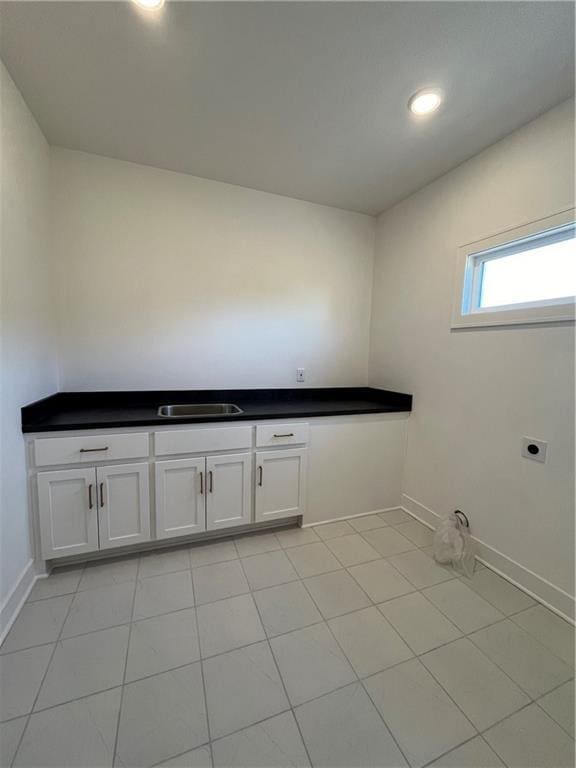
(99, 410)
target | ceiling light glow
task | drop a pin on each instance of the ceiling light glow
(149, 5)
(425, 102)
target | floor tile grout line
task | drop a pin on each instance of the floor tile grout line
(312, 575)
(302, 580)
(290, 708)
(271, 650)
(119, 718)
(395, 525)
(552, 690)
(456, 703)
(499, 722)
(477, 735)
(268, 586)
(506, 717)
(202, 657)
(386, 558)
(468, 583)
(359, 681)
(164, 613)
(440, 645)
(132, 583)
(481, 733)
(27, 647)
(366, 536)
(31, 712)
(205, 745)
(504, 617)
(474, 727)
(501, 668)
(61, 594)
(321, 620)
(537, 702)
(204, 691)
(345, 686)
(443, 612)
(512, 618)
(65, 569)
(370, 560)
(485, 741)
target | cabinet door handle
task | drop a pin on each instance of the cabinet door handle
(211, 480)
(101, 494)
(94, 450)
(201, 483)
(286, 434)
(90, 502)
(261, 471)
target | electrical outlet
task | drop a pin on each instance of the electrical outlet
(534, 449)
(300, 374)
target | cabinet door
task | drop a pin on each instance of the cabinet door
(280, 484)
(228, 490)
(68, 512)
(123, 504)
(180, 507)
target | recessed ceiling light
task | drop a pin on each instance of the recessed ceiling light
(149, 5)
(425, 102)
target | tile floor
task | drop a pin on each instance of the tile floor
(343, 645)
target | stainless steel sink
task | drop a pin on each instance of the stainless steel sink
(200, 409)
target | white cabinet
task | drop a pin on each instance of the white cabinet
(86, 509)
(202, 440)
(87, 449)
(106, 505)
(68, 512)
(228, 490)
(194, 495)
(272, 435)
(180, 508)
(280, 484)
(123, 504)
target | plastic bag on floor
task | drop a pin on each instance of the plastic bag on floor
(453, 544)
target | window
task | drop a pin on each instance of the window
(521, 276)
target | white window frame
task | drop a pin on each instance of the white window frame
(467, 313)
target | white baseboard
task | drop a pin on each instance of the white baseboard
(17, 597)
(350, 517)
(536, 586)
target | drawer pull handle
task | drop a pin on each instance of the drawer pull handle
(101, 494)
(285, 434)
(211, 481)
(94, 450)
(201, 483)
(261, 475)
(90, 502)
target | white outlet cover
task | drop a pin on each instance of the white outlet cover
(299, 374)
(534, 449)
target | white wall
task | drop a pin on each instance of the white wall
(28, 355)
(171, 281)
(355, 465)
(163, 277)
(477, 392)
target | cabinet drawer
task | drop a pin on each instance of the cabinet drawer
(202, 440)
(90, 448)
(281, 434)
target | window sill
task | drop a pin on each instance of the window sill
(562, 313)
